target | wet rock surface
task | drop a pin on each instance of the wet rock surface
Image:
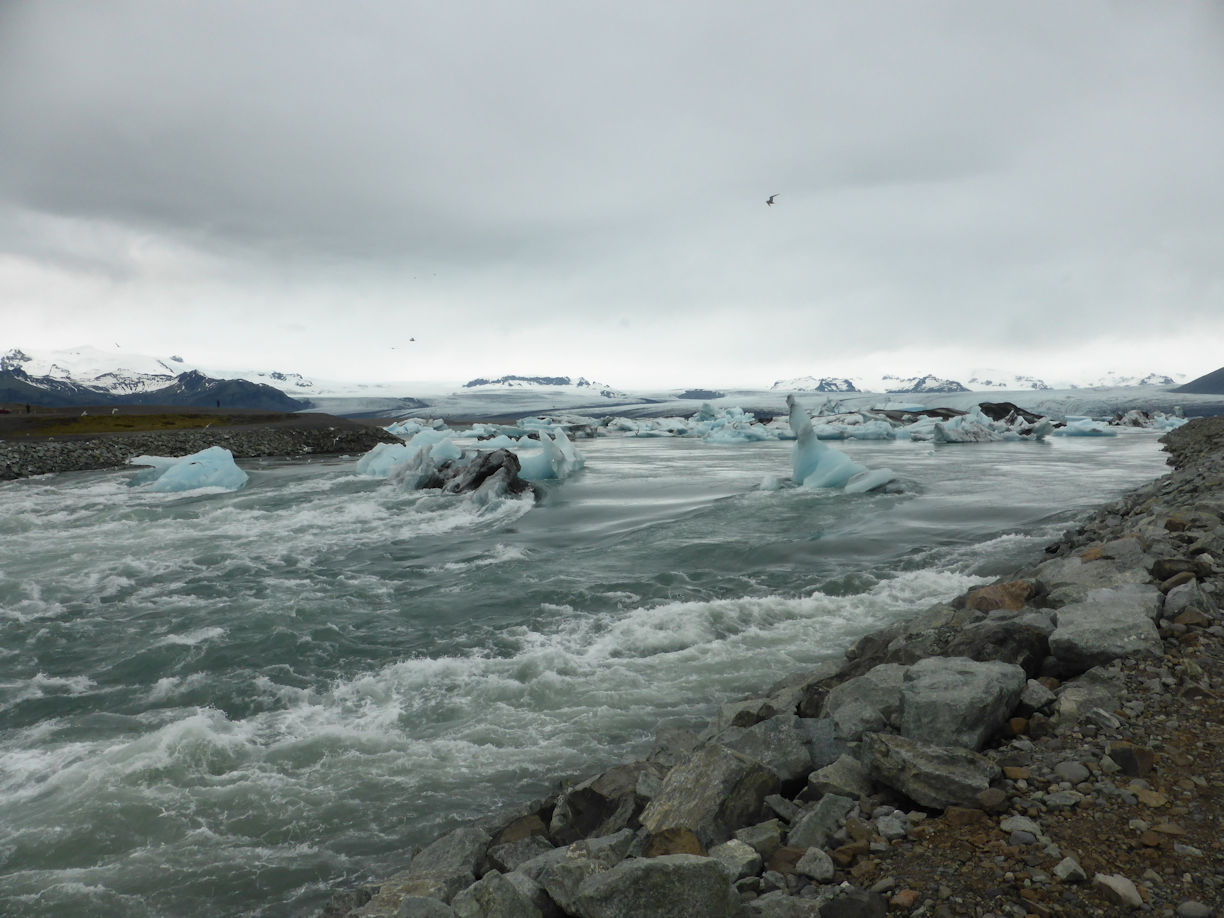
(1097, 788)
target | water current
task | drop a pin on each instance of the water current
(224, 704)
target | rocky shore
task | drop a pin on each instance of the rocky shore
(319, 435)
(1045, 745)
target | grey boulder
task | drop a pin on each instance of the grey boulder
(933, 776)
(955, 701)
(1106, 625)
(776, 743)
(494, 896)
(866, 703)
(713, 793)
(672, 886)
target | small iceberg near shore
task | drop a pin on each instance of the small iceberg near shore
(817, 465)
(211, 468)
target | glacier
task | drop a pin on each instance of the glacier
(212, 468)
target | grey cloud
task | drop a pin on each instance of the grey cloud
(939, 159)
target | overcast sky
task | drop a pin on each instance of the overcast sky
(579, 188)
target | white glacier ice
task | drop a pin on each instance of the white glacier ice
(816, 465)
(555, 459)
(1078, 426)
(975, 427)
(429, 448)
(211, 468)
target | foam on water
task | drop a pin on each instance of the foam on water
(218, 704)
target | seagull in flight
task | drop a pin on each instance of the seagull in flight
(770, 199)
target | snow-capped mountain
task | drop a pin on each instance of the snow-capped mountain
(89, 376)
(928, 383)
(1114, 380)
(812, 384)
(1002, 379)
(117, 373)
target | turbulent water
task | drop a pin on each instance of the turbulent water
(222, 704)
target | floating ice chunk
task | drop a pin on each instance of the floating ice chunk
(815, 465)
(975, 427)
(409, 427)
(857, 426)
(385, 459)
(555, 459)
(1155, 420)
(869, 480)
(379, 461)
(209, 468)
(1078, 426)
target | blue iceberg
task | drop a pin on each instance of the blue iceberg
(816, 465)
(211, 468)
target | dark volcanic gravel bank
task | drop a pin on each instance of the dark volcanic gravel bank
(1045, 745)
(303, 435)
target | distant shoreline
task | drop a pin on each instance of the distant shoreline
(29, 447)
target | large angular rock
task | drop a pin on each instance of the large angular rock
(423, 907)
(934, 776)
(781, 904)
(1003, 641)
(764, 838)
(820, 737)
(846, 777)
(924, 635)
(1099, 688)
(954, 701)
(866, 703)
(1071, 579)
(507, 857)
(439, 872)
(1011, 595)
(604, 852)
(1187, 596)
(1108, 624)
(777, 743)
(816, 825)
(601, 805)
(738, 858)
(672, 746)
(713, 793)
(675, 886)
(494, 896)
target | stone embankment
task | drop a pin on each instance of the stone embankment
(1046, 745)
(37, 456)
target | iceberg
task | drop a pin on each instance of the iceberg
(714, 425)
(388, 460)
(410, 427)
(555, 459)
(976, 427)
(816, 465)
(1078, 426)
(211, 468)
(1154, 420)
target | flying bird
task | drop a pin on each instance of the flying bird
(770, 200)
